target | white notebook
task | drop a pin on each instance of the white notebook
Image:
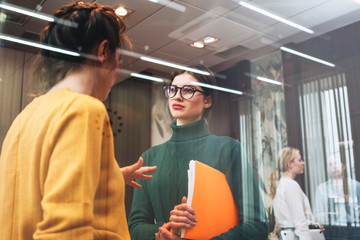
(316, 234)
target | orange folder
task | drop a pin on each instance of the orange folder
(210, 196)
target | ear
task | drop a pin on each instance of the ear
(103, 52)
(289, 165)
(208, 102)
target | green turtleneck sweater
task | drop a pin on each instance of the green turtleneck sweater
(153, 202)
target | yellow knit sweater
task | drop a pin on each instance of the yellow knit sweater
(58, 175)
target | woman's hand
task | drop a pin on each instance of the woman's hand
(137, 171)
(182, 216)
(321, 227)
(166, 234)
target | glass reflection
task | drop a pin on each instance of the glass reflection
(288, 100)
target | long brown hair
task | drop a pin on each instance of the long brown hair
(91, 23)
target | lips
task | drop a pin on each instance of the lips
(177, 106)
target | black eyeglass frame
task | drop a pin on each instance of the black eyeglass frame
(167, 89)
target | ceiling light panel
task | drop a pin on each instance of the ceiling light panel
(326, 12)
(275, 16)
(227, 31)
(37, 45)
(141, 33)
(212, 6)
(170, 4)
(27, 12)
(174, 65)
(287, 9)
(218, 88)
(300, 54)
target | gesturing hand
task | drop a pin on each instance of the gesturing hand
(137, 171)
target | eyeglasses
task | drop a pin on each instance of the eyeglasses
(186, 92)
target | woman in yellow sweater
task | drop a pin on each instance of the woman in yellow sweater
(58, 175)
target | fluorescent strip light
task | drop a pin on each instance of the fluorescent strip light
(38, 45)
(146, 77)
(173, 65)
(27, 12)
(170, 4)
(268, 80)
(307, 56)
(271, 15)
(217, 88)
(41, 16)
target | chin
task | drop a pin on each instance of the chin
(175, 114)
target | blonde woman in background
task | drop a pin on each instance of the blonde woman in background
(291, 206)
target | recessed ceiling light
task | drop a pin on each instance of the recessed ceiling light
(198, 44)
(209, 39)
(123, 11)
(204, 41)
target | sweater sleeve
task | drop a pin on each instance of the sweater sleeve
(141, 218)
(73, 171)
(245, 189)
(294, 200)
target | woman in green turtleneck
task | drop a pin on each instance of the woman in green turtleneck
(159, 208)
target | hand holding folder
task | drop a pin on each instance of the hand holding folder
(210, 196)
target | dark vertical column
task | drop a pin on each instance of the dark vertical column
(292, 75)
(236, 78)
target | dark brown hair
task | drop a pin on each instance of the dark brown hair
(207, 79)
(92, 23)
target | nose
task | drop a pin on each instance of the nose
(177, 94)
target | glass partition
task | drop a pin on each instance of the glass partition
(288, 73)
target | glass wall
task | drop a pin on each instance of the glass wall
(288, 73)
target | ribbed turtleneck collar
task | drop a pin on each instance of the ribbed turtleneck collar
(190, 131)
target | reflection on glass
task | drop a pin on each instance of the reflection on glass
(268, 98)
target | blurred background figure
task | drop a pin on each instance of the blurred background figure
(291, 206)
(337, 200)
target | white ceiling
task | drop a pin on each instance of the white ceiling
(164, 30)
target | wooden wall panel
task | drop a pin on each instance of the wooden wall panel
(11, 77)
(30, 85)
(129, 105)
